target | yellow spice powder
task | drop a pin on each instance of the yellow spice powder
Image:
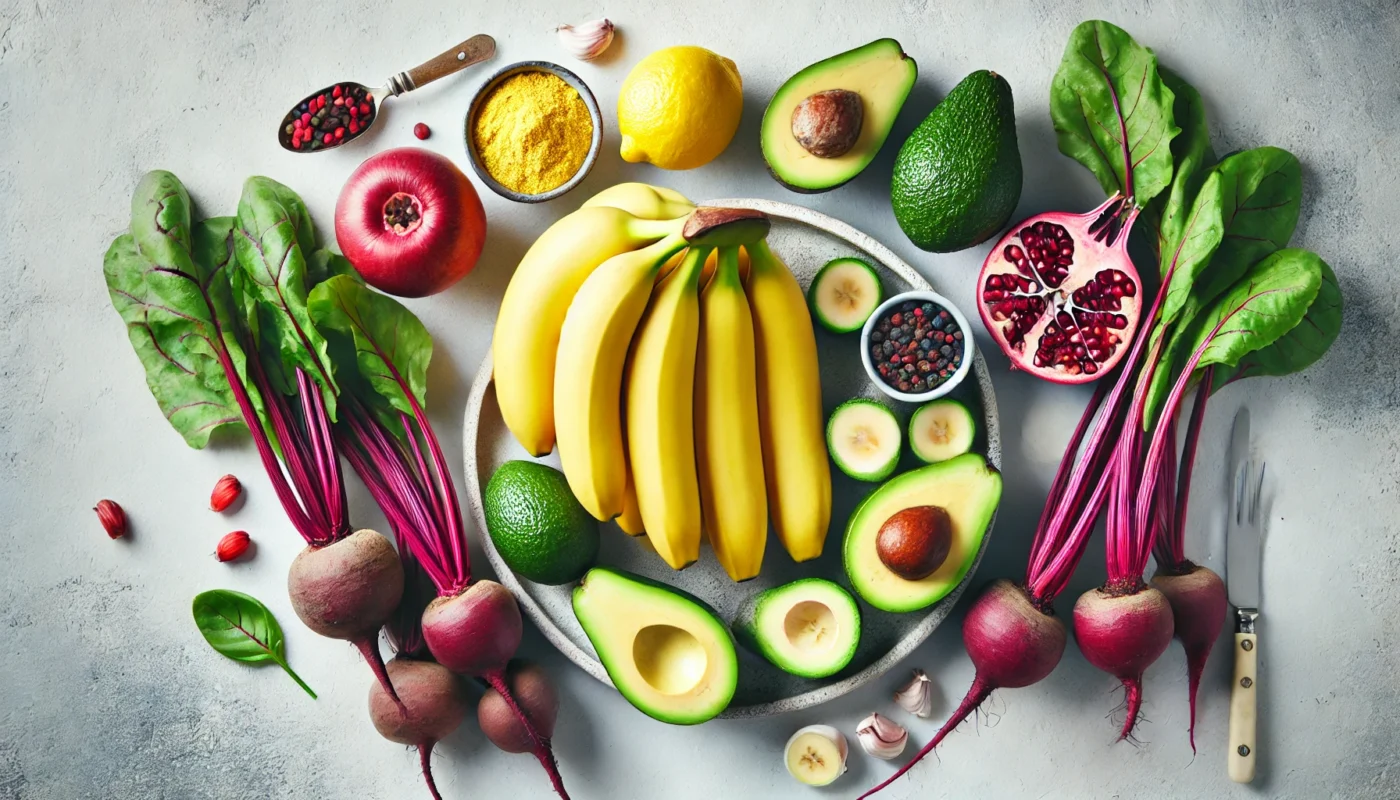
(532, 132)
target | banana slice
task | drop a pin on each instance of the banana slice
(816, 755)
(844, 294)
(864, 439)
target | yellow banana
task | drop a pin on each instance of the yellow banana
(660, 396)
(588, 370)
(790, 406)
(630, 520)
(641, 200)
(533, 308)
(726, 424)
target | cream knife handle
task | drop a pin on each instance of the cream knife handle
(1242, 708)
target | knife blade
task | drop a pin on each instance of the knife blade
(1242, 538)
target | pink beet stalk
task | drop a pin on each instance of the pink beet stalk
(472, 628)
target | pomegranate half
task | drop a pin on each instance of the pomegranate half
(1060, 295)
(410, 222)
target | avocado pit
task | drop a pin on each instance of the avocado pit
(827, 124)
(914, 543)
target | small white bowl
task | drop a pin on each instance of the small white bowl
(943, 388)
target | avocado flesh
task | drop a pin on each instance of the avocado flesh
(957, 178)
(665, 651)
(967, 487)
(879, 72)
(808, 628)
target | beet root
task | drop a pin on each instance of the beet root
(535, 694)
(435, 701)
(475, 633)
(1199, 609)
(1122, 630)
(1012, 644)
(347, 590)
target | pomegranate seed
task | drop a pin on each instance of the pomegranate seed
(421, 131)
(232, 546)
(226, 491)
(336, 92)
(112, 517)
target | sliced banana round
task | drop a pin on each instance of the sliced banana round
(816, 755)
(844, 294)
(941, 430)
(864, 439)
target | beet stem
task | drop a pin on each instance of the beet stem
(976, 696)
(369, 648)
(425, 757)
(541, 749)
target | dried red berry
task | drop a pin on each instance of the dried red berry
(232, 546)
(226, 491)
(112, 517)
(422, 131)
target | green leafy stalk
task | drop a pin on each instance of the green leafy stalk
(243, 629)
(169, 281)
(1256, 195)
(392, 348)
(1296, 350)
(1112, 112)
(1192, 154)
(272, 241)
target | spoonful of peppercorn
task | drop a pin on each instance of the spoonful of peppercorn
(343, 112)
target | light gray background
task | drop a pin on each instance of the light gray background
(107, 689)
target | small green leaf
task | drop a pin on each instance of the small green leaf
(1300, 347)
(243, 629)
(392, 348)
(1112, 113)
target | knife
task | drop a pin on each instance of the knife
(1243, 550)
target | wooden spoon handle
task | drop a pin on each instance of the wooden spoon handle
(473, 51)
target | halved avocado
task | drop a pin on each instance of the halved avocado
(809, 627)
(666, 651)
(967, 487)
(879, 72)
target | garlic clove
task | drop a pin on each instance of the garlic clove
(916, 696)
(816, 755)
(882, 737)
(588, 40)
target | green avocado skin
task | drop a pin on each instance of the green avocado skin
(540, 529)
(957, 178)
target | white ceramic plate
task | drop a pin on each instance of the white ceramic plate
(806, 240)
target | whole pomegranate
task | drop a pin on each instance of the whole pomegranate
(1059, 294)
(410, 222)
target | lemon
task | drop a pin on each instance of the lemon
(679, 107)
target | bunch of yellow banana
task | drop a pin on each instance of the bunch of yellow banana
(629, 338)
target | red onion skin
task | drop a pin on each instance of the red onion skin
(440, 251)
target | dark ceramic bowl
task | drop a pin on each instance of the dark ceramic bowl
(594, 146)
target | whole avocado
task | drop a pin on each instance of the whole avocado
(539, 528)
(957, 178)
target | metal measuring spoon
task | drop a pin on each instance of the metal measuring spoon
(342, 112)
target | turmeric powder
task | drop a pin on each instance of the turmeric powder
(532, 132)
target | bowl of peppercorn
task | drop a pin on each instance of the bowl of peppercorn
(916, 346)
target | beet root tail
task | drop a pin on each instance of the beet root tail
(1133, 686)
(976, 696)
(1195, 666)
(369, 648)
(541, 747)
(425, 757)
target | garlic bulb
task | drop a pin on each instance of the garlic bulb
(587, 41)
(916, 696)
(882, 737)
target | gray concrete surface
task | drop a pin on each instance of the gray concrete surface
(107, 689)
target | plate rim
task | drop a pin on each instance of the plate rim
(482, 380)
